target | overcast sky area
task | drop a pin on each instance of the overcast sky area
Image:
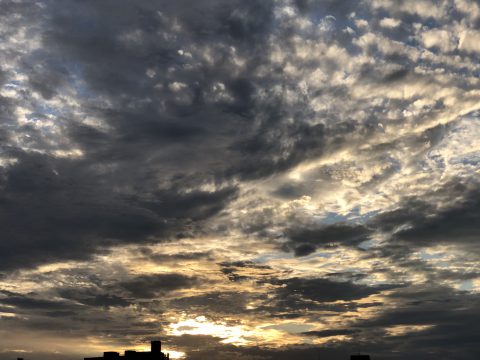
(243, 179)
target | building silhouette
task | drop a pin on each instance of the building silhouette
(154, 354)
(359, 357)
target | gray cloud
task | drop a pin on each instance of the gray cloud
(93, 297)
(305, 240)
(301, 155)
(62, 209)
(327, 290)
(419, 221)
(149, 286)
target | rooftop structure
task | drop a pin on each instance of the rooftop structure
(154, 354)
(360, 357)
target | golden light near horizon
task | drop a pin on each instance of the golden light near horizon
(174, 354)
(201, 326)
(246, 333)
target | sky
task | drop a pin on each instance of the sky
(242, 179)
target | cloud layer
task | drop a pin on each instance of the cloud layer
(247, 179)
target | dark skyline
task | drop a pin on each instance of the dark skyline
(155, 353)
(244, 179)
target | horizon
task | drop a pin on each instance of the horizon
(157, 352)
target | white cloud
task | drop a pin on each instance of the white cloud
(469, 41)
(439, 38)
(390, 22)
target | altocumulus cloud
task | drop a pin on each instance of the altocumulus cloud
(244, 179)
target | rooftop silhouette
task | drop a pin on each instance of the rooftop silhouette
(154, 354)
(359, 357)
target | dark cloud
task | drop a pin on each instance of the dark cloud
(63, 209)
(60, 314)
(290, 191)
(93, 297)
(260, 151)
(330, 332)
(420, 222)
(325, 290)
(305, 240)
(33, 303)
(450, 317)
(112, 194)
(47, 80)
(149, 286)
(136, 179)
(162, 258)
(244, 264)
(304, 297)
(304, 249)
(231, 269)
(142, 123)
(216, 303)
(385, 74)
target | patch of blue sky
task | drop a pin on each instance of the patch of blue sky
(330, 218)
(467, 285)
(318, 254)
(12, 84)
(360, 217)
(267, 257)
(368, 244)
(435, 160)
(355, 216)
(41, 109)
(430, 256)
(472, 158)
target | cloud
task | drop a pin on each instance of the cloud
(149, 286)
(93, 297)
(389, 22)
(298, 173)
(328, 333)
(218, 302)
(309, 237)
(421, 222)
(31, 302)
(300, 291)
(70, 213)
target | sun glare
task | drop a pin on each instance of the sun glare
(201, 326)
